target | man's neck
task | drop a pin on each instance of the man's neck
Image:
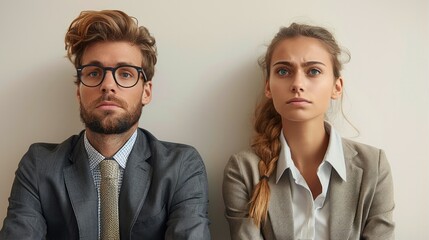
(108, 144)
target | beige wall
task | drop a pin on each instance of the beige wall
(207, 82)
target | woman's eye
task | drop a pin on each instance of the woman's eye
(314, 72)
(282, 72)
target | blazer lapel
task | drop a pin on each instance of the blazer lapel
(135, 185)
(343, 197)
(82, 193)
(280, 207)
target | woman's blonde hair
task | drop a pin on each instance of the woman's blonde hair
(109, 25)
(268, 123)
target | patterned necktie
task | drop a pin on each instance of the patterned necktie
(109, 218)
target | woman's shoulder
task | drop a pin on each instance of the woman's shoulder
(358, 146)
(364, 155)
(352, 148)
(246, 154)
(244, 163)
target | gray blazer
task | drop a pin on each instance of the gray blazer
(361, 207)
(163, 195)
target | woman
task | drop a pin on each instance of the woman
(301, 180)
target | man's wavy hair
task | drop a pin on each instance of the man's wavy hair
(109, 25)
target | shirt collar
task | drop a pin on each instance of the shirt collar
(121, 156)
(334, 154)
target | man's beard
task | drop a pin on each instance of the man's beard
(107, 123)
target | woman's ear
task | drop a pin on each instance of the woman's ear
(267, 89)
(337, 91)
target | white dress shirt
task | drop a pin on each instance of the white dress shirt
(311, 217)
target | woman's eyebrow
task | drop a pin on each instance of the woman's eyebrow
(284, 63)
(305, 64)
(309, 63)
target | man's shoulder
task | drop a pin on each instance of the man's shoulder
(47, 159)
(52, 147)
(166, 151)
(167, 146)
(171, 160)
(52, 150)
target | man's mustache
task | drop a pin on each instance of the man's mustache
(110, 98)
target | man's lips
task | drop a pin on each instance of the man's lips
(298, 101)
(108, 105)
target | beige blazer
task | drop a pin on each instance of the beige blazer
(361, 207)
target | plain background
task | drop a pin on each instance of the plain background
(207, 82)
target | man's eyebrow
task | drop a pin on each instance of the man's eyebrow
(124, 63)
(95, 62)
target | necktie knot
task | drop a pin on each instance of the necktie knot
(109, 168)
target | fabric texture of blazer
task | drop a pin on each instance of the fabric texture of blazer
(361, 207)
(164, 193)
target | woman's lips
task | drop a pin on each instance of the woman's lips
(298, 101)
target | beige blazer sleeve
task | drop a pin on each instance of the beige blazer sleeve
(237, 189)
(379, 224)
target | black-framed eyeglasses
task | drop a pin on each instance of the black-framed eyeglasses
(126, 76)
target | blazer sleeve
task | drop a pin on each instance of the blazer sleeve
(379, 224)
(24, 219)
(188, 217)
(236, 195)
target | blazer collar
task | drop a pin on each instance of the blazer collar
(280, 207)
(135, 185)
(81, 190)
(344, 195)
(136, 182)
(334, 154)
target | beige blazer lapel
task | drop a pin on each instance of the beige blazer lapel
(280, 207)
(343, 197)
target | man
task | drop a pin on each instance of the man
(158, 190)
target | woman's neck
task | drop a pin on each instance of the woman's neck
(308, 141)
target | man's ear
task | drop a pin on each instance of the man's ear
(337, 91)
(147, 93)
(77, 93)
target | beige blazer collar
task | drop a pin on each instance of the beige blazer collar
(343, 197)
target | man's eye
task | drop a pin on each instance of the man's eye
(314, 72)
(125, 75)
(93, 74)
